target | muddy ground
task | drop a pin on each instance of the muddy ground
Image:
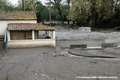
(58, 64)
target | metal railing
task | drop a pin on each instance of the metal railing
(5, 40)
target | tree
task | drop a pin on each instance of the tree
(57, 5)
(30, 5)
(41, 12)
(79, 11)
(6, 6)
(82, 10)
(26, 5)
(68, 4)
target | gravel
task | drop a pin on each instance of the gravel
(75, 34)
(113, 37)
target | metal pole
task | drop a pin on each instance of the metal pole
(50, 12)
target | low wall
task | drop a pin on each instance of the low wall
(80, 46)
(106, 45)
(31, 43)
(90, 43)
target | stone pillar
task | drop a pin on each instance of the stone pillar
(33, 35)
(53, 34)
(8, 35)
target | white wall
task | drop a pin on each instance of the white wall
(31, 43)
(3, 24)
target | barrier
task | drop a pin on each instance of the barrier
(106, 45)
(81, 46)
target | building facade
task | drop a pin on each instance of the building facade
(23, 30)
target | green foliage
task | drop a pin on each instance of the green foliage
(93, 11)
(6, 6)
(34, 5)
(41, 11)
(55, 15)
(80, 10)
(19, 6)
(59, 10)
(29, 5)
(96, 13)
(55, 12)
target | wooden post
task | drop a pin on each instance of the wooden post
(33, 35)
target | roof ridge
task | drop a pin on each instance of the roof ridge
(28, 26)
(17, 11)
(17, 15)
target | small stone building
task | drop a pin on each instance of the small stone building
(23, 30)
(7, 17)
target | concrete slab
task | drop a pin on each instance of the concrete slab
(80, 46)
(94, 48)
(106, 45)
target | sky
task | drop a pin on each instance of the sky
(15, 1)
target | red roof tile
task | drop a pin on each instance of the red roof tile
(28, 26)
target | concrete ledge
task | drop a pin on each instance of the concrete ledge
(94, 48)
(31, 43)
(81, 46)
(107, 45)
(90, 48)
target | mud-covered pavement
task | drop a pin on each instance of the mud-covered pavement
(59, 64)
(55, 64)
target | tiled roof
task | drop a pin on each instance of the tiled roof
(17, 15)
(28, 26)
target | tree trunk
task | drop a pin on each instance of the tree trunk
(93, 12)
(73, 22)
(112, 2)
(60, 15)
(42, 22)
(23, 6)
(68, 1)
(68, 22)
(90, 22)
